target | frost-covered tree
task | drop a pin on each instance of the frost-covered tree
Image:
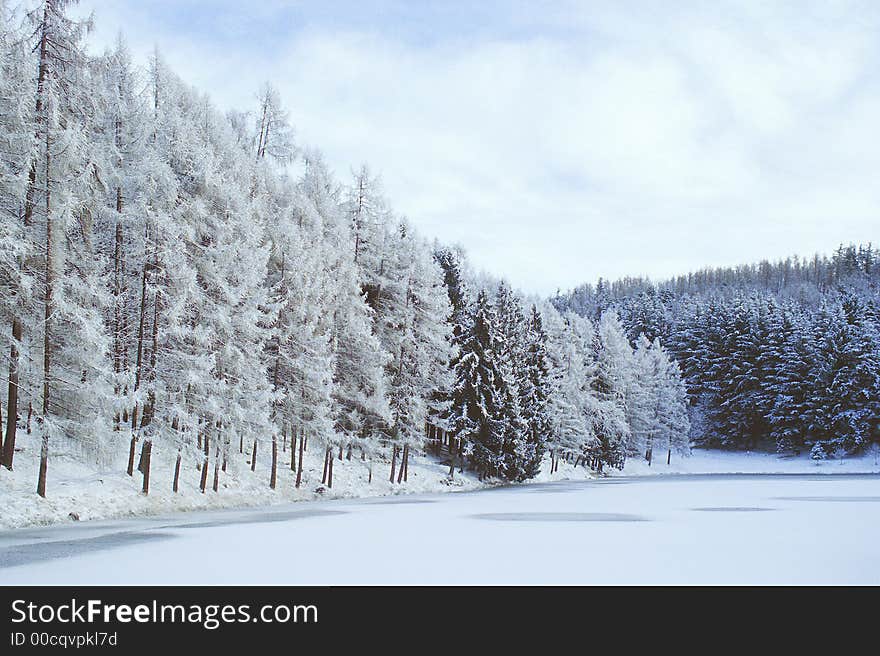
(368, 217)
(274, 133)
(673, 422)
(414, 312)
(571, 357)
(18, 126)
(611, 383)
(657, 404)
(759, 347)
(359, 380)
(61, 201)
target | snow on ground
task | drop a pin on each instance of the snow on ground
(108, 493)
(707, 461)
(74, 487)
(687, 529)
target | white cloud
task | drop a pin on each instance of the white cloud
(602, 139)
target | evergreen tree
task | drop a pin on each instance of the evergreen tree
(535, 394)
(478, 394)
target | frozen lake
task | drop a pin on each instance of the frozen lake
(663, 529)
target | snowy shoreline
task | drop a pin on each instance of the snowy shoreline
(710, 461)
(111, 494)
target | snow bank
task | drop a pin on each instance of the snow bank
(109, 493)
(707, 461)
(90, 493)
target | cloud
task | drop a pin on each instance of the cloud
(571, 141)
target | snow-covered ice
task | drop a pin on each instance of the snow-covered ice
(699, 529)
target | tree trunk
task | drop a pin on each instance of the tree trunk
(47, 326)
(393, 463)
(299, 468)
(118, 304)
(44, 463)
(254, 457)
(327, 457)
(402, 473)
(330, 473)
(8, 453)
(140, 466)
(175, 486)
(131, 452)
(150, 407)
(241, 444)
(142, 319)
(273, 477)
(217, 469)
(340, 452)
(203, 483)
(293, 451)
(12, 400)
(669, 455)
(406, 464)
(147, 455)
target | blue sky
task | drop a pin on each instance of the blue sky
(563, 141)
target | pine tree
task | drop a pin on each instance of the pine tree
(478, 393)
(510, 353)
(460, 317)
(535, 394)
(852, 351)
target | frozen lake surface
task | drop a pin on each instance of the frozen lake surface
(702, 529)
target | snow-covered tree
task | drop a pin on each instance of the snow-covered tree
(611, 383)
(18, 126)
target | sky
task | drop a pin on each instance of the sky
(563, 141)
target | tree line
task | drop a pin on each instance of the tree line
(781, 355)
